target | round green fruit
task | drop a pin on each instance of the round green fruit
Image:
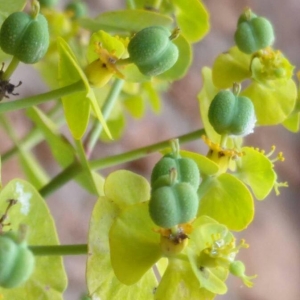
(77, 8)
(231, 114)
(16, 261)
(173, 205)
(25, 37)
(253, 33)
(186, 169)
(152, 50)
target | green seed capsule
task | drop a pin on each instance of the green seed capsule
(16, 261)
(253, 33)
(152, 50)
(77, 8)
(173, 205)
(186, 168)
(25, 37)
(231, 114)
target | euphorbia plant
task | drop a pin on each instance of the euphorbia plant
(172, 237)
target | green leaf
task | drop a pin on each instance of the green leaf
(77, 105)
(227, 200)
(180, 283)
(116, 126)
(229, 67)
(183, 63)
(274, 102)
(132, 20)
(126, 188)
(61, 149)
(9, 7)
(88, 179)
(132, 237)
(256, 170)
(153, 96)
(205, 97)
(192, 18)
(135, 105)
(101, 280)
(32, 211)
(32, 169)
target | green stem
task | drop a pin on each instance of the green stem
(59, 250)
(65, 176)
(41, 98)
(236, 88)
(142, 152)
(106, 109)
(11, 68)
(75, 168)
(223, 140)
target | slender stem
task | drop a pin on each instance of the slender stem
(58, 181)
(142, 152)
(11, 68)
(223, 140)
(41, 98)
(106, 109)
(59, 250)
(75, 168)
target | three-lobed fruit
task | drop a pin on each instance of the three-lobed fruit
(173, 205)
(186, 169)
(253, 33)
(231, 114)
(152, 50)
(25, 36)
(16, 261)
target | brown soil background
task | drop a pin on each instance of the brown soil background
(274, 252)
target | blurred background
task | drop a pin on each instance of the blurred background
(274, 236)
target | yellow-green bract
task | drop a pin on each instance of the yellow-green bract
(25, 37)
